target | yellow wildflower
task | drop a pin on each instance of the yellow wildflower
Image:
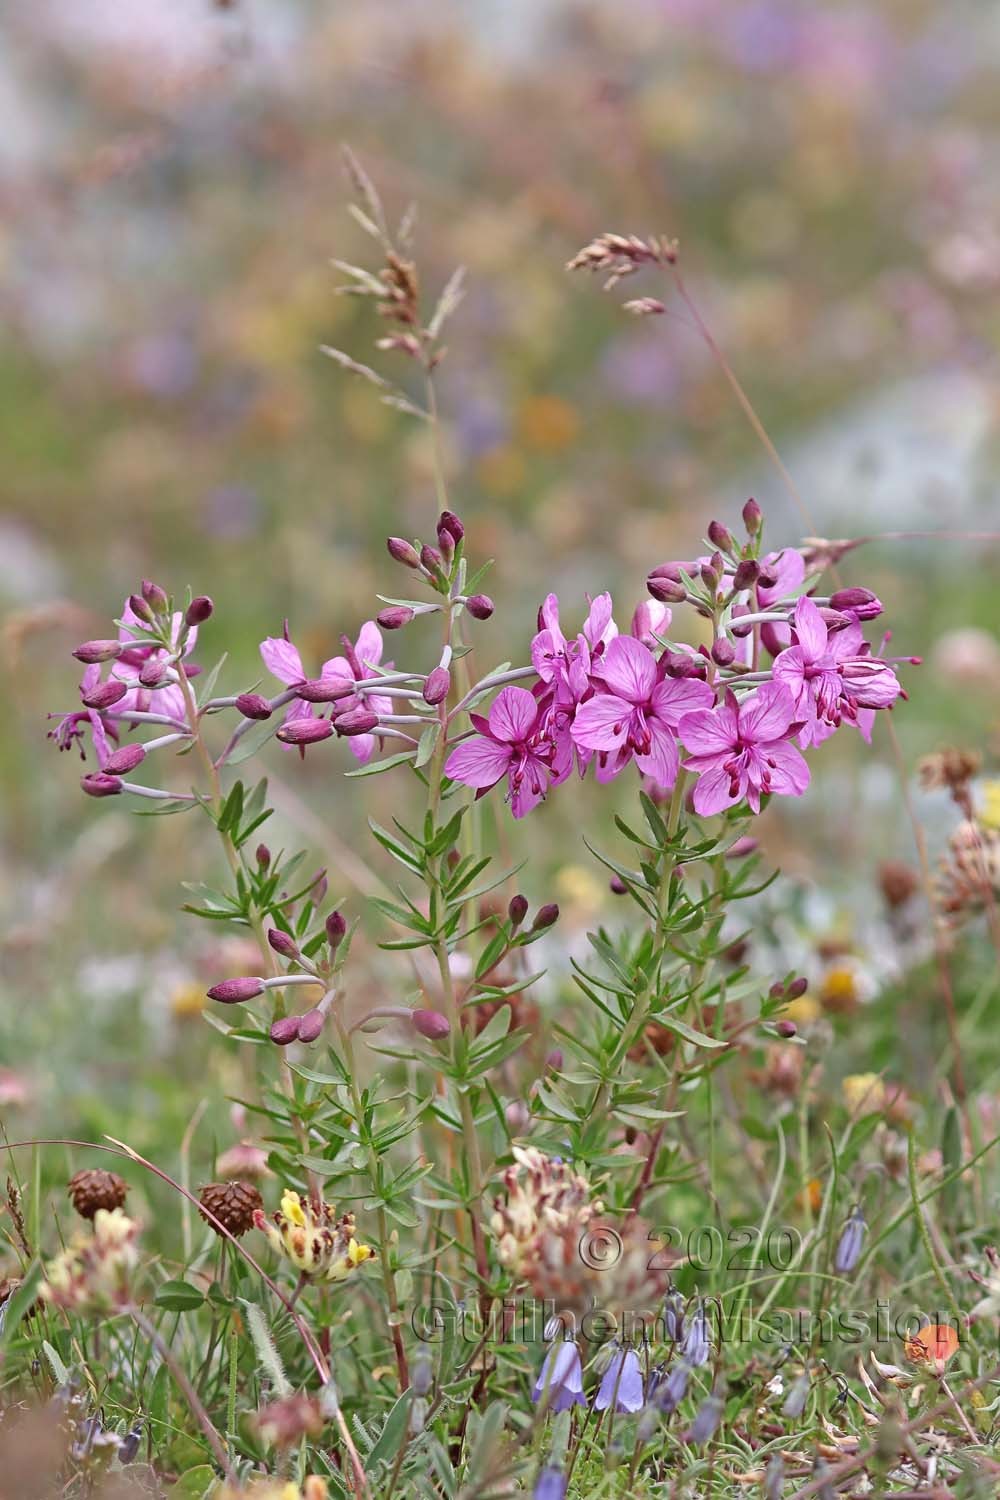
(990, 813)
(309, 1234)
(864, 1093)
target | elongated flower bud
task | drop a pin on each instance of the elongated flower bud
(430, 558)
(451, 523)
(305, 731)
(285, 1030)
(96, 651)
(403, 552)
(356, 721)
(105, 695)
(154, 596)
(723, 652)
(262, 854)
(199, 610)
(282, 943)
(235, 991)
(336, 928)
(437, 686)
(394, 617)
(706, 1420)
(97, 784)
(311, 1024)
(752, 517)
(746, 574)
(517, 909)
(720, 536)
(480, 606)
(546, 916)
(324, 689)
(861, 602)
(852, 1238)
(254, 706)
(446, 543)
(662, 586)
(431, 1024)
(124, 760)
(153, 672)
(141, 609)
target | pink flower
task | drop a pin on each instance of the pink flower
(788, 569)
(283, 661)
(141, 655)
(510, 743)
(635, 712)
(564, 668)
(742, 750)
(72, 727)
(832, 676)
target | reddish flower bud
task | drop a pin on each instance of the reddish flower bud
(746, 574)
(787, 1028)
(662, 586)
(285, 1030)
(263, 856)
(154, 596)
(403, 552)
(199, 610)
(324, 689)
(480, 606)
(235, 991)
(720, 536)
(311, 1024)
(517, 909)
(140, 609)
(105, 694)
(723, 653)
(431, 1024)
(752, 517)
(357, 721)
(282, 943)
(254, 706)
(617, 886)
(446, 543)
(861, 602)
(319, 888)
(554, 1060)
(124, 760)
(336, 928)
(767, 578)
(431, 558)
(94, 651)
(452, 524)
(797, 988)
(437, 686)
(152, 673)
(546, 916)
(97, 784)
(305, 731)
(394, 617)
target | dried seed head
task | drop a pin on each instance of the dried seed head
(93, 1188)
(232, 1203)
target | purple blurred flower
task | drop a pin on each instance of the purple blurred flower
(560, 1380)
(622, 1383)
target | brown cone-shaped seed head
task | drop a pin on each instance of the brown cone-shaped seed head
(93, 1188)
(233, 1204)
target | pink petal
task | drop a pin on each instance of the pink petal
(368, 645)
(712, 794)
(661, 762)
(513, 714)
(282, 660)
(599, 625)
(478, 762)
(628, 669)
(549, 617)
(789, 772)
(810, 629)
(789, 569)
(710, 731)
(336, 669)
(767, 714)
(602, 723)
(362, 747)
(676, 696)
(530, 791)
(546, 654)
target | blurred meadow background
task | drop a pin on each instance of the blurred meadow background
(172, 197)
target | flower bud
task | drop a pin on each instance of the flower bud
(706, 1420)
(336, 928)
(199, 610)
(431, 1024)
(752, 517)
(97, 784)
(324, 689)
(95, 651)
(403, 552)
(546, 916)
(311, 1024)
(140, 609)
(105, 694)
(430, 558)
(720, 536)
(861, 602)
(152, 673)
(663, 585)
(517, 909)
(263, 856)
(285, 1030)
(356, 721)
(746, 575)
(394, 617)
(446, 543)
(480, 606)
(438, 686)
(282, 943)
(723, 652)
(848, 1251)
(154, 596)
(617, 886)
(235, 991)
(554, 1060)
(319, 887)
(124, 760)
(305, 731)
(422, 1372)
(518, 1116)
(797, 988)
(254, 706)
(787, 1029)
(767, 578)
(451, 523)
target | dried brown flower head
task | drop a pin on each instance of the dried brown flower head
(93, 1189)
(950, 769)
(899, 881)
(232, 1203)
(621, 255)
